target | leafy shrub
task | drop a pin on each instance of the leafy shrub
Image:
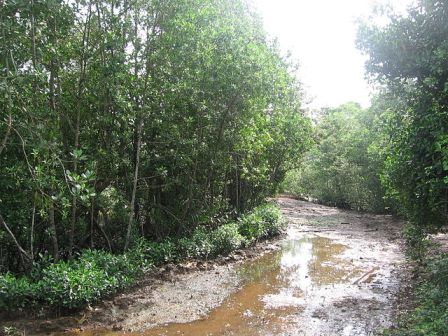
(226, 238)
(264, 221)
(140, 256)
(199, 245)
(430, 318)
(16, 293)
(416, 242)
(251, 227)
(272, 219)
(73, 284)
(11, 331)
(438, 272)
(121, 268)
(70, 284)
(157, 253)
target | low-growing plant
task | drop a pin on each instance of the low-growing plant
(226, 238)
(16, 293)
(251, 227)
(72, 285)
(12, 331)
(199, 245)
(75, 283)
(122, 268)
(430, 318)
(264, 221)
(272, 219)
(157, 253)
(416, 242)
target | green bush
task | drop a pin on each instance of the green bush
(264, 221)
(73, 284)
(430, 318)
(157, 253)
(16, 293)
(416, 241)
(199, 245)
(226, 238)
(70, 284)
(121, 268)
(251, 227)
(272, 219)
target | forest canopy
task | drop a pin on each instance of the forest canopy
(408, 59)
(128, 119)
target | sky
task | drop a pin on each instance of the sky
(321, 36)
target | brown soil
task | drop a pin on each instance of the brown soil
(336, 272)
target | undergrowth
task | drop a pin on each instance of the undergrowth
(430, 318)
(75, 283)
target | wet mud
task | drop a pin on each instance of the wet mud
(335, 272)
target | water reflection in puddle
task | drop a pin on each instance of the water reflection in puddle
(304, 265)
(274, 290)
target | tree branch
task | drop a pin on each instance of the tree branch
(8, 132)
(19, 247)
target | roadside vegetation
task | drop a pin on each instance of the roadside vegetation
(408, 59)
(71, 284)
(430, 317)
(393, 156)
(135, 133)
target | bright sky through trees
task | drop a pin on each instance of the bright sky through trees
(321, 35)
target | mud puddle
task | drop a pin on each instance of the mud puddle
(335, 273)
(274, 290)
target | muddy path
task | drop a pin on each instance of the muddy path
(335, 272)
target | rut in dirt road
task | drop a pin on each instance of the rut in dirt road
(336, 272)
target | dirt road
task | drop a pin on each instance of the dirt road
(335, 272)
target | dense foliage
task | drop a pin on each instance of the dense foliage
(343, 168)
(430, 318)
(408, 59)
(129, 119)
(75, 283)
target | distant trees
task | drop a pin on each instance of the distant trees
(343, 168)
(402, 140)
(408, 59)
(122, 119)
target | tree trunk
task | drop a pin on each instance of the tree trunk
(92, 216)
(135, 182)
(71, 236)
(54, 237)
(82, 62)
(33, 221)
